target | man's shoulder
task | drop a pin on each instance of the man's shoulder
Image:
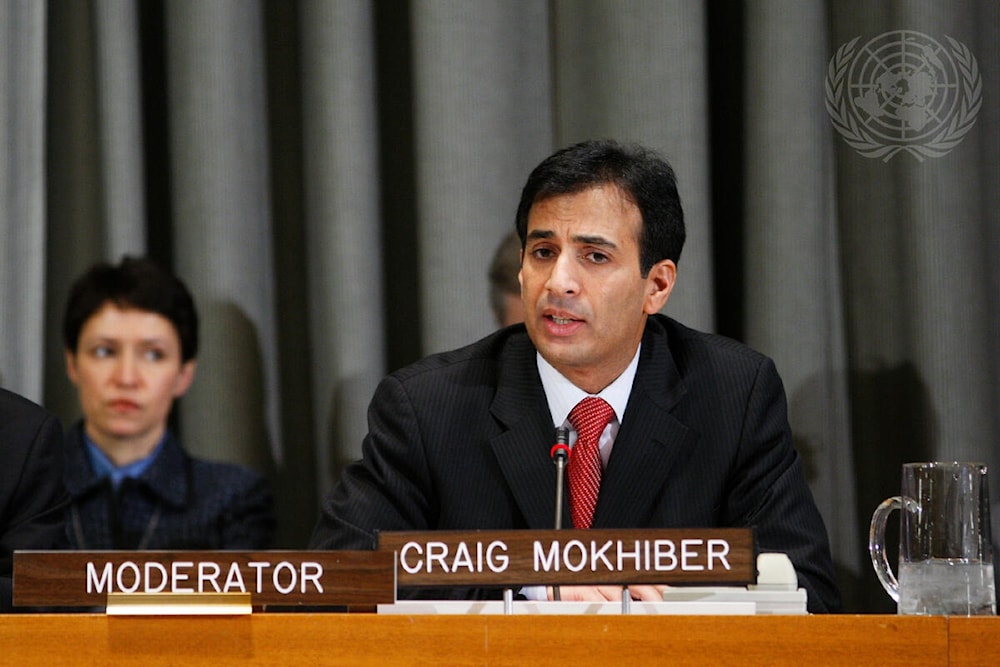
(698, 353)
(685, 341)
(16, 411)
(28, 433)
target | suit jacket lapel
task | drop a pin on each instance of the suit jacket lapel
(648, 444)
(522, 448)
(650, 439)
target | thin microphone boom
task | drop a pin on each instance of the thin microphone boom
(559, 453)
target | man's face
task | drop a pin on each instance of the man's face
(585, 299)
(128, 370)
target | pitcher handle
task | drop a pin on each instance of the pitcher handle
(876, 545)
(876, 540)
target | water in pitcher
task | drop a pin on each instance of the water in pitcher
(944, 586)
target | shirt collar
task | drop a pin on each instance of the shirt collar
(104, 467)
(562, 395)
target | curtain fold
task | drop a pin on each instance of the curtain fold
(22, 196)
(342, 213)
(223, 239)
(119, 126)
(793, 290)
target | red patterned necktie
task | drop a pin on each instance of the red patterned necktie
(589, 418)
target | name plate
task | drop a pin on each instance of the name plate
(91, 578)
(711, 556)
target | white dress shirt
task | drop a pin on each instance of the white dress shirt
(562, 396)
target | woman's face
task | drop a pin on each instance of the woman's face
(128, 370)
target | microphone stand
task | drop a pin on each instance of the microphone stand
(560, 454)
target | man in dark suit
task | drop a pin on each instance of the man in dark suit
(694, 431)
(33, 499)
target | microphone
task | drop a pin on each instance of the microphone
(560, 454)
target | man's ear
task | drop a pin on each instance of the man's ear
(659, 284)
(185, 378)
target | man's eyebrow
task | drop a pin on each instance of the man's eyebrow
(599, 241)
(582, 239)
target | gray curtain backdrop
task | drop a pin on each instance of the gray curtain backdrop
(330, 177)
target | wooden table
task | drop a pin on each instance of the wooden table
(368, 639)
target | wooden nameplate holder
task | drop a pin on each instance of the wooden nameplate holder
(512, 558)
(202, 582)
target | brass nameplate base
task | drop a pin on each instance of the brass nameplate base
(179, 604)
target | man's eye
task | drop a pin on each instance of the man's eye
(103, 352)
(154, 355)
(598, 257)
(542, 253)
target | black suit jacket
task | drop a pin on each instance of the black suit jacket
(32, 496)
(461, 440)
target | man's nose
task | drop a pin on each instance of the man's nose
(563, 277)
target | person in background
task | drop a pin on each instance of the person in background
(670, 427)
(505, 290)
(130, 333)
(33, 499)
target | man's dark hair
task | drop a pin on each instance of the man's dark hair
(643, 178)
(134, 283)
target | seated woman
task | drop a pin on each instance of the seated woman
(130, 334)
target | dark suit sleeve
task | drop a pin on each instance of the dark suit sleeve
(770, 493)
(388, 489)
(33, 499)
